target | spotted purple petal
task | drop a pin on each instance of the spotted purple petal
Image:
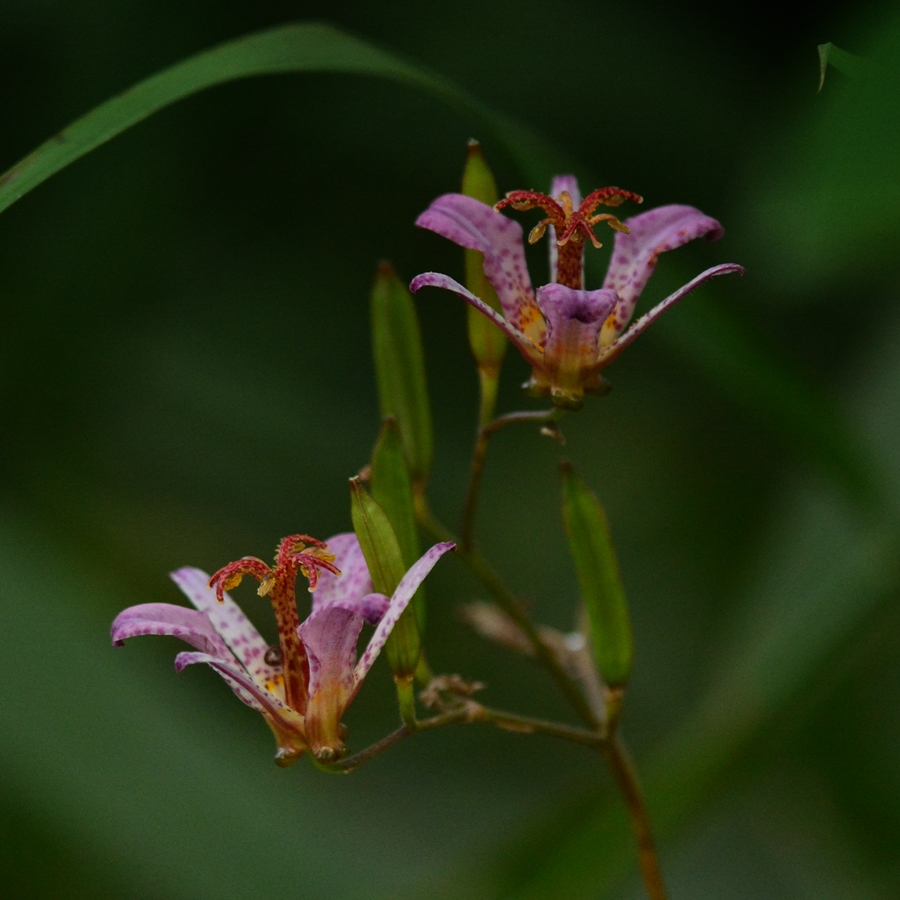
(434, 279)
(634, 255)
(192, 626)
(330, 637)
(371, 607)
(228, 619)
(561, 305)
(354, 580)
(399, 601)
(608, 354)
(477, 226)
(574, 321)
(561, 183)
(566, 183)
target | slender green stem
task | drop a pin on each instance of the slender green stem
(614, 700)
(406, 697)
(489, 379)
(627, 782)
(467, 520)
(488, 427)
(479, 567)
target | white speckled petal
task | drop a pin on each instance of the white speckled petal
(238, 680)
(634, 255)
(644, 322)
(400, 600)
(354, 580)
(191, 625)
(286, 724)
(477, 226)
(561, 183)
(434, 279)
(235, 628)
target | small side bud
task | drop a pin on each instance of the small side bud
(400, 369)
(384, 558)
(598, 577)
(488, 343)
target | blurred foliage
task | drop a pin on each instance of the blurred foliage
(187, 376)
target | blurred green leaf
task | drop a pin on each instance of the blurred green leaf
(827, 207)
(305, 47)
(766, 383)
(598, 577)
(831, 55)
(400, 370)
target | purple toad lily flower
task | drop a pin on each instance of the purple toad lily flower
(566, 333)
(303, 686)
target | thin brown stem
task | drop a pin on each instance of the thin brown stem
(626, 780)
(538, 416)
(527, 725)
(469, 712)
(351, 762)
(612, 748)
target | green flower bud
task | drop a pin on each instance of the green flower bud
(392, 491)
(384, 558)
(400, 370)
(488, 343)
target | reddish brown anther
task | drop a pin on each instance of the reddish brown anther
(297, 553)
(608, 196)
(572, 225)
(308, 555)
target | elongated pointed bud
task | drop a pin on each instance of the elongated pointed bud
(384, 558)
(598, 578)
(392, 491)
(488, 343)
(400, 369)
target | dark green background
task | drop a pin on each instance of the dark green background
(185, 377)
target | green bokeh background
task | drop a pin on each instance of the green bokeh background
(186, 377)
